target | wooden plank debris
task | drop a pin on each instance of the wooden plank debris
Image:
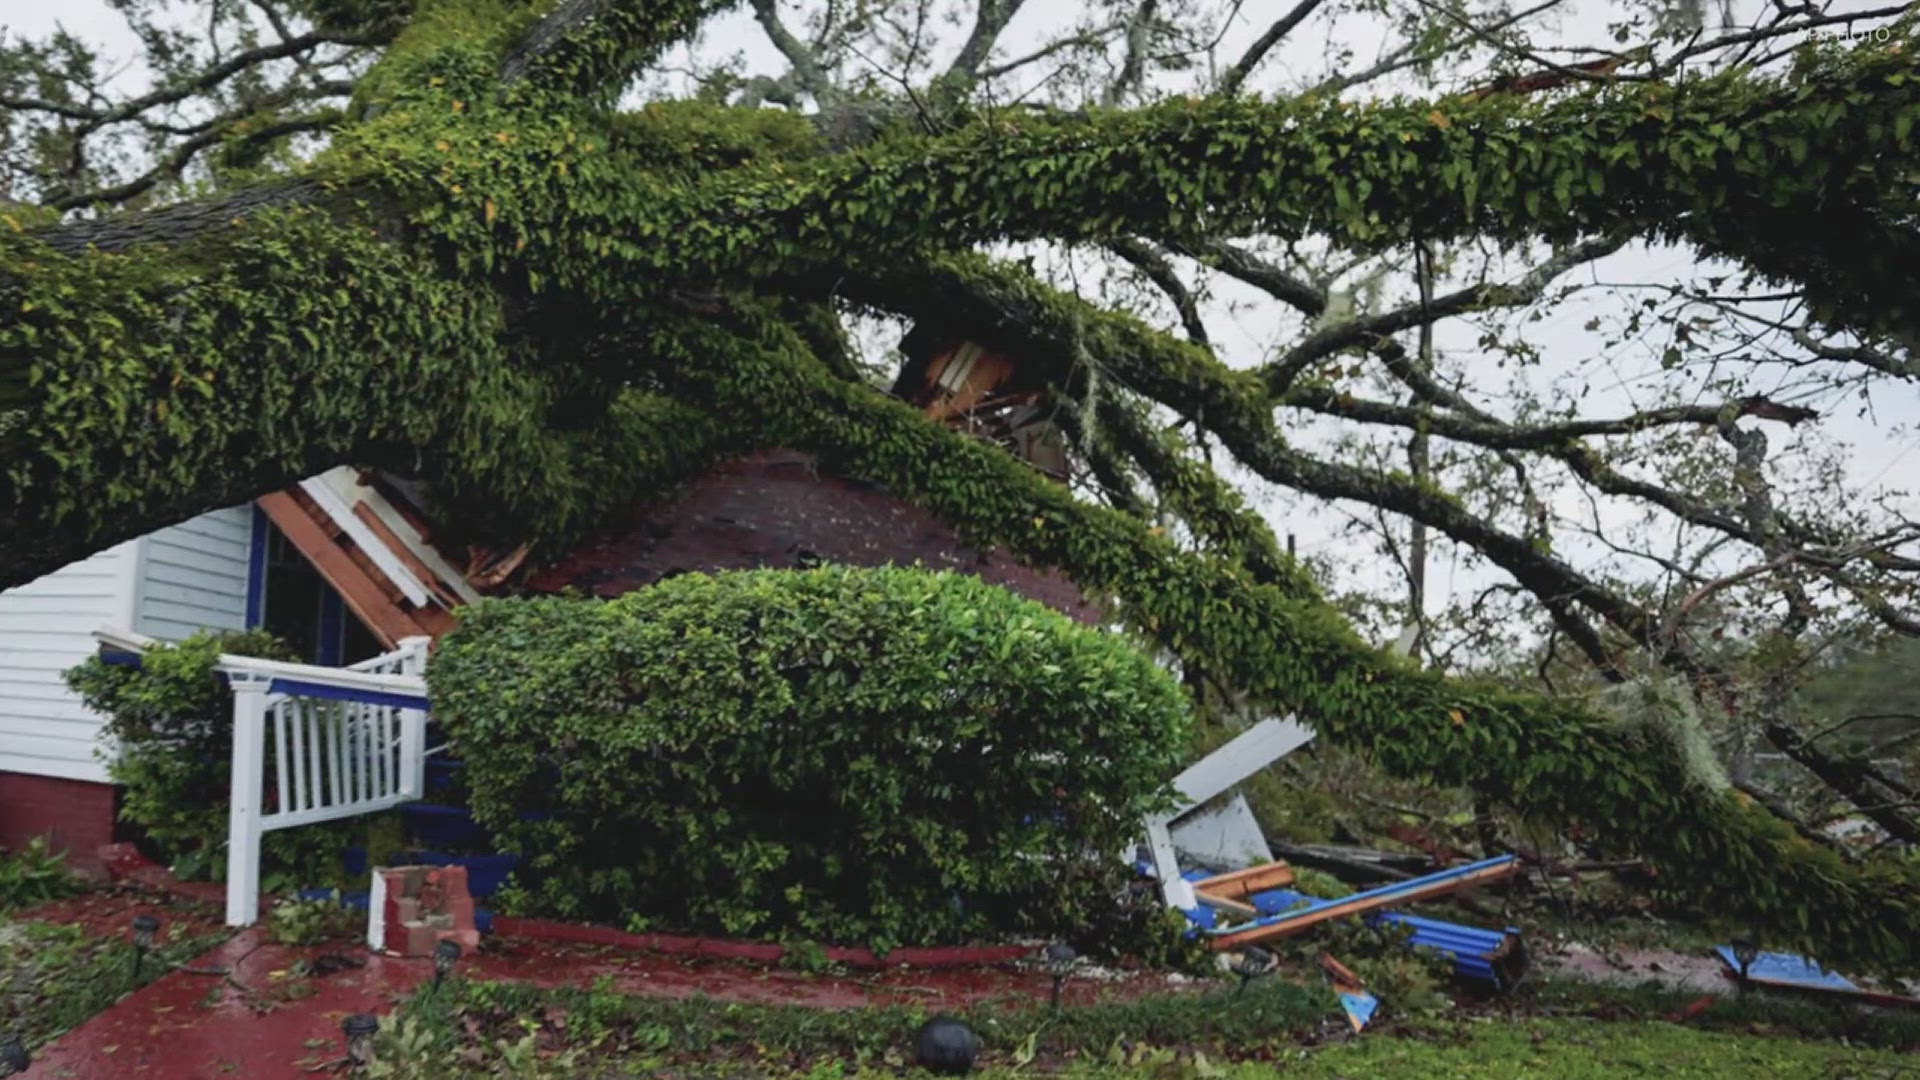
(1286, 924)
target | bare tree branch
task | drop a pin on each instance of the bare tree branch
(1133, 65)
(1859, 354)
(1071, 41)
(1512, 436)
(1236, 76)
(176, 160)
(806, 67)
(1149, 261)
(1280, 374)
(1410, 53)
(990, 18)
(219, 73)
(1239, 263)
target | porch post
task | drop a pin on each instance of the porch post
(413, 722)
(243, 804)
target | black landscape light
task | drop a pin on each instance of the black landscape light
(144, 929)
(1254, 962)
(445, 955)
(946, 1047)
(360, 1029)
(14, 1058)
(1745, 952)
(1060, 959)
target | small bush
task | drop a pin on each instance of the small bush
(886, 756)
(312, 922)
(33, 875)
(172, 719)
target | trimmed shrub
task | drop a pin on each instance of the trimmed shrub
(889, 756)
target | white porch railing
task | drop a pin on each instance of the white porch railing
(342, 742)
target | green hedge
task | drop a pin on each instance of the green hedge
(888, 756)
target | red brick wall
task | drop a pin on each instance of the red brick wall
(778, 510)
(75, 816)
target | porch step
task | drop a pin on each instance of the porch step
(436, 826)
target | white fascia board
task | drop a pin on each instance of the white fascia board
(1252, 750)
(335, 507)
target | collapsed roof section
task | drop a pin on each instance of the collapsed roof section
(370, 537)
(374, 550)
(778, 509)
(982, 392)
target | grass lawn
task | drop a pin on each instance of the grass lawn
(1567, 1048)
(1546, 1049)
(493, 1029)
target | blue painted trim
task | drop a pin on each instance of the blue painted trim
(303, 688)
(121, 659)
(333, 627)
(257, 569)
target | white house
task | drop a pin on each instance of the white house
(334, 566)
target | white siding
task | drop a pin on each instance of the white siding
(193, 576)
(46, 627)
(168, 584)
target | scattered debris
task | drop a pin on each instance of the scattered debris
(1241, 885)
(1358, 1004)
(1785, 971)
(1692, 1009)
(1241, 908)
(1288, 923)
(1252, 750)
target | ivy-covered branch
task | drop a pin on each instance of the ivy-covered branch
(1553, 759)
(588, 49)
(136, 393)
(1662, 158)
(1047, 328)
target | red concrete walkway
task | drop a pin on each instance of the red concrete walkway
(192, 1026)
(261, 1023)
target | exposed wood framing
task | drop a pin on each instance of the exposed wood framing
(375, 602)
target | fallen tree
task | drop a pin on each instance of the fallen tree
(495, 279)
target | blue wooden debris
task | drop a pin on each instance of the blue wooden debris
(1359, 1007)
(1495, 957)
(1786, 969)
